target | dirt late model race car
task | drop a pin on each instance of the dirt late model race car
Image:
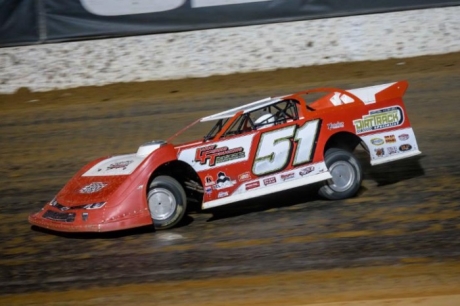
(256, 149)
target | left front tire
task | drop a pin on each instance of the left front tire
(167, 202)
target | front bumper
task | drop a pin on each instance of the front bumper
(74, 221)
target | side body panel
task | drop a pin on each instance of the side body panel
(257, 163)
(380, 120)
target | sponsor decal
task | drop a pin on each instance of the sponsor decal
(270, 180)
(252, 185)
(120, 165)
(93, 187)
(306, 170)
(213, 155)
(115, 165)
(209, 180)
(287, 176)
(379, 152)
(405, 147)
(392, 150)
(223, 181)
(222, 194)
(403, 137)
(390, 138)
(244, 177)
(377, 141)
(208, 190)
(336, 125)
(379, 119)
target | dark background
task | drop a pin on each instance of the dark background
(25, 22)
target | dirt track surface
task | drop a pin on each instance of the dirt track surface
(395, 244)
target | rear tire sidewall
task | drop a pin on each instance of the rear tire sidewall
(176, 189)
(335, 155)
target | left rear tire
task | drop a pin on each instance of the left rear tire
(167, 202)
(346, 175)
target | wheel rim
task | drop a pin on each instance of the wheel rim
(162, 203)
(343, 176)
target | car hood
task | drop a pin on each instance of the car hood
(88, 190)
(115, 165)
(98, 180)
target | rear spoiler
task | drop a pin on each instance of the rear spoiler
(382, 92)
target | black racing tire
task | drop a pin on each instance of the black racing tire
(346, 172)
(167, 202)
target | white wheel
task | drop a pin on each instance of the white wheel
(162, 203)
(343, 176)
(346, 175)
(167, 202)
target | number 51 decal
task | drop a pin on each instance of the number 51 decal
(275, 147)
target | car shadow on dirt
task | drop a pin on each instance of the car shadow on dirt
(96, 235)
(110, 235)
(393, 172)
(385, 174)
(278, 200)
(149, 229)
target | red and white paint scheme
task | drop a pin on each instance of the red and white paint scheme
(256, 149)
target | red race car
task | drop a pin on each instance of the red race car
(256, 149)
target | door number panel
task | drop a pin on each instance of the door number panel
(275, 147)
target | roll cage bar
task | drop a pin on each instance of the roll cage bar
(281, 112)
(223, 125)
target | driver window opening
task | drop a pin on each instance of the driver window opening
(268, 116)
(216, 129)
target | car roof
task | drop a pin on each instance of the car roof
(245, 108)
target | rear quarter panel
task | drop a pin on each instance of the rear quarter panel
(381, 122)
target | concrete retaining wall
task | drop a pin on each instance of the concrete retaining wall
(231, 50)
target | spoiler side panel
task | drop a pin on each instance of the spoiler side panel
(373, 94)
